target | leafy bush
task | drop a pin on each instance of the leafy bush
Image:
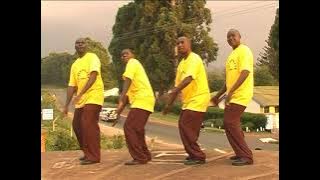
(250, 125)
(251, 120)
(112, 99)
(259, 120)
(60, 140)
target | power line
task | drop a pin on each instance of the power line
(144, 31)
(231, 9)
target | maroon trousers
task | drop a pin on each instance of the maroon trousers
(135, 134)
(189, 128)
(235, 135)
(85, 125)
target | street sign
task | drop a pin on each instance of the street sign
(47, 114)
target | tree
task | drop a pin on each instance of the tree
(152, 27)
(55, 68)
(216, 81)
(263, 77)
(270, 56)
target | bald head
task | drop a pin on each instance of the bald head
(234, 31)
(184, 45)
(233, 38)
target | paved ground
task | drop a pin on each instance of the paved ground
(65, 165)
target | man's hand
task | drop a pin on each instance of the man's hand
(215, 101)
(172, 96)
(65, 111)
(116, 120)
(77, 99)
(166, 109)
(228, 98)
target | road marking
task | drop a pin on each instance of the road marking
(189, 167)
(166, 154)
(220, 151)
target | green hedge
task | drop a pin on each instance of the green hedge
(112, 99)
(176, 107)
(250, 120)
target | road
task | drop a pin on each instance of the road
(170, 134)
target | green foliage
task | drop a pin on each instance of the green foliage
(152, 28)
(259, 120)
(270, 56)
(60, 139)
(55, 68)
(263, 77)
(250, 125)
(253, 121)
(216, 81)
(112, 99)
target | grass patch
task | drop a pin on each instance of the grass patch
(214, 130)
(168, 118)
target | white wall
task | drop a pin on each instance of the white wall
(253, 106)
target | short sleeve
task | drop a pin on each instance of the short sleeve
(130, 70)
(72, 79)
(191, 68)
(245, 60)
(95, 64)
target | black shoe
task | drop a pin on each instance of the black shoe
(134, 162)
(188, 158)
(194, 162)
(87, 162)
(241, 162)
(82, 158)
(234, 158)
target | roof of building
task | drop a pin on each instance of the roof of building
(266, 95)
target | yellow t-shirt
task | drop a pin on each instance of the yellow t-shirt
(196, 95)
(79, 76)
(240, 59)
(140, 92)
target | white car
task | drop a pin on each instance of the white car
(108, 114)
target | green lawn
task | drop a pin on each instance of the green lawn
(169, 117)
(109, 105)
(210, 129)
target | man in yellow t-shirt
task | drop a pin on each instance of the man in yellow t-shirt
(138, 91)
(191, 81)
(86, 82)
(239, 90)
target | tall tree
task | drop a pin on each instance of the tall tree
(270, 56)
(263, 77)
(55, 67)
(152, 27)
(215, 80)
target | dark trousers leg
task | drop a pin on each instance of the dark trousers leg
(189, 128)
(235, 135)
(135, 134)
(90, 131)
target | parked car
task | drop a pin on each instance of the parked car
(108, 114)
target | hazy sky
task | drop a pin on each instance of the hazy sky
(62, 22)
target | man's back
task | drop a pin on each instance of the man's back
(140, 92)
